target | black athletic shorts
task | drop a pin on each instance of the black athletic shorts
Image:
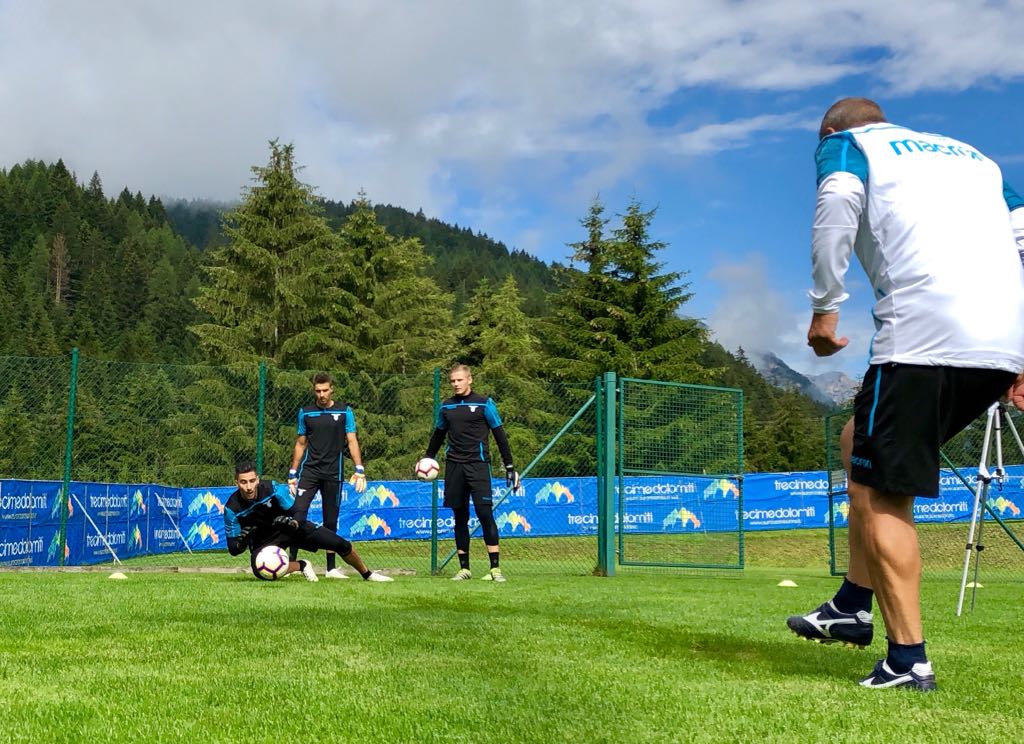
(903, 414)
(465, 479)
(329, 489)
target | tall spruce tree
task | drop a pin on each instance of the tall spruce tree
(507, 345)
(275, 290)
(618, 312)
(403, 321)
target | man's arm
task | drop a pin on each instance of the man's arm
(298, 451)
(293, 472)
(842, 172)
(501, 439)
(437, 438)
(238, 538)
(358, 479)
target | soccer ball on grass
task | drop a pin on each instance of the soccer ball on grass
(271, 563)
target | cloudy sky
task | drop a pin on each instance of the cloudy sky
(510, 117)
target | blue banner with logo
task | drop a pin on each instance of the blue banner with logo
(142, 519)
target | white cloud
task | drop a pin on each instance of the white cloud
(392, 97)
(753, 315)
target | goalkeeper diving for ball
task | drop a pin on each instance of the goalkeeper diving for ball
(257, 515)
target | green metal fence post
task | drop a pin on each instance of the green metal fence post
(739, 477)
(599, 436)
(68, 450)
(606, 497)
(434, 494)
(261, 407)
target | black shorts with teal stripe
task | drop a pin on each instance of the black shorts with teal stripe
(904, 413)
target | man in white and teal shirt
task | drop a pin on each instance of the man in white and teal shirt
(940, 235)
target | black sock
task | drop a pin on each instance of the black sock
(494, 559)
(365, 574)
(853, 598)
(464, 560)
(902, 657)
(330, 561)
(293, 554)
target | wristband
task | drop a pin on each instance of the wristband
(360, 469)
(293, 474)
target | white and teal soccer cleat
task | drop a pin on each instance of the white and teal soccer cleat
(336, 573)
(463, 575)
(494, 574)
(374, 576)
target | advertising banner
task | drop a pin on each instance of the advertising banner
(143, 519)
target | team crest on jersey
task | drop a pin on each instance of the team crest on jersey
(335, 416)
(472, 409)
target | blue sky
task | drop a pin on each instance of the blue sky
(509, 117)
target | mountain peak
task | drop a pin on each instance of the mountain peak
(832, 388)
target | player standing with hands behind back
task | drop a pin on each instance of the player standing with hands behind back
(323, 429)
(466, 419)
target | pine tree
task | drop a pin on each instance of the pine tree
(507, 345)
(403, 319)
(18, 438)
(274, 291)
(576, 333)
(477, 315)
(620, 313)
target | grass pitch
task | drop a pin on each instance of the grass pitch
(639, 658)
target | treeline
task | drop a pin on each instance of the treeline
(108, 275)
(298, 283)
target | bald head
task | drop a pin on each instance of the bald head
(849, 113)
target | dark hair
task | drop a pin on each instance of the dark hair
(245, 466)
(848, 113)
(321, 377)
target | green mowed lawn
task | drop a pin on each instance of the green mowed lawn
(641, 657)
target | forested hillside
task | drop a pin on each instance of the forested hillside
(298, 283)
(78, 268)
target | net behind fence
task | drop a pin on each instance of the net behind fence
(669, 430)
(943, 523)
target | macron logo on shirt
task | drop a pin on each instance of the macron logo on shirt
(910, 146)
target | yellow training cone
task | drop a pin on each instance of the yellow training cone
(786, 582)
(117, 575)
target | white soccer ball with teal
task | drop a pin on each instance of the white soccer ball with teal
(427, 469)
(271, 563)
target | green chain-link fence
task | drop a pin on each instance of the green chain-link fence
(109, 448)
(943, 543)
(33, 416)
(670, 429)
(186, 426)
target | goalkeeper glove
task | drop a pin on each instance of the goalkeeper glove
(358, 479)
(286, 523)
(243, 536)
(293, 482)
(511, 477)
